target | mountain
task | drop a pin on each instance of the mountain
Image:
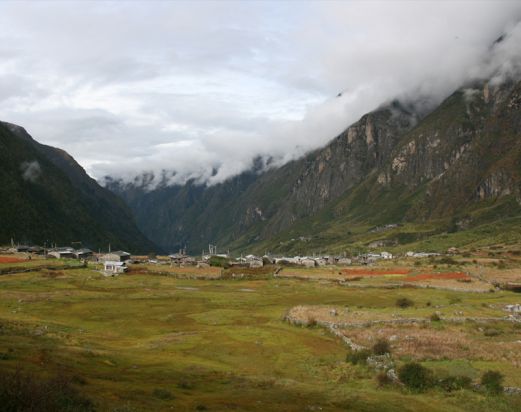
(48, 197)
(396, 178)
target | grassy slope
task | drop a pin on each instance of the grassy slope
(222, 345)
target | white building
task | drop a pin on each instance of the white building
(114, 267)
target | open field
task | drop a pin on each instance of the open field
(393, 277)
(148, 342)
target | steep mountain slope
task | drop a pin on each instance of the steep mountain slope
(436, 177)
(47, 197)
(454, 179)
(254, 206)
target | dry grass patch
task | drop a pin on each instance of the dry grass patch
(422, 342)
(193, 271)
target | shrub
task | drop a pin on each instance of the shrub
(454, 383)
(218, 261)
(358, 357)
(454, 299)
(383, 380)
(404, 302)
(435, 317)
(312, 322)
(447, 260)
(492, 381)
(164, 394)
(415, 376)
(491, 332)
(381, 347)
(20, 391)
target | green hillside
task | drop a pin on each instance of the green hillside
(47, 197)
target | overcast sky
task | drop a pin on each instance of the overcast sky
(198, 89)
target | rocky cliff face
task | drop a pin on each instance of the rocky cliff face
(391, 166)
(467, 150)
(257, 205)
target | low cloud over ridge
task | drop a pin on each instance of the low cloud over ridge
(199, 90)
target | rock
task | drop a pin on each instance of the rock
(380, 362)
(391, 374)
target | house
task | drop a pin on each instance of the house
(308, 262)
(61, 253)
(181, 259)
(321, 261)
(344, 261)
(37, 250)
(255, 262)
(283, 260)
(18, 249)
(82, 253)
(268, 259)
(114, 267)
(421, 254)
(386, 255)
(117, 256)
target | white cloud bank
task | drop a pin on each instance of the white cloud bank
(199, 89)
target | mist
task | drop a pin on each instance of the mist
(31, 171)
(199, 90)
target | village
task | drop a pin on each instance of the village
(116, 262)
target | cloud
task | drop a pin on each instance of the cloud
(199, 90)
(31, 171)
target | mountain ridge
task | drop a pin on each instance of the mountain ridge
(390, 165)
(57, 202)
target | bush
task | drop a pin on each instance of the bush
(164, 394)
(219, 261)
(491, 332)
(383, 380)
(454, 299)
(447, 261)
(415, 376)
(404, 302)
(381, 347)
(435, 317)
(492, 381)
(454, 383)
(358, 357)
(20, 391)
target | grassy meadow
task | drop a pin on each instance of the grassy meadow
(150, 342)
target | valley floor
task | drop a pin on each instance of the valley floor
(150, 342)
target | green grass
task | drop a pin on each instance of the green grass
(147, 342)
